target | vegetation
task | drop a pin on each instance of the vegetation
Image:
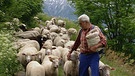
(116, 18)
(8, 60)
(22, 9)
(115, 15)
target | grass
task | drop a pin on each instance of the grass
(120, 70)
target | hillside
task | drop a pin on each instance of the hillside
(9, 60)
(119, 62)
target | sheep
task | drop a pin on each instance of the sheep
(57, 51)
(54, 20)
(72, 31)
(26, 55)
(48, 44)
(58, 41)
(15, 21)
(69, 33)
(28, 34)
(48, 23)
(37, 29)
(53, 35)
(71, 66)
(104, 69)
(69, 44)
(51, 64)
(64, 54)
(54, 28)
(34, 69)
(22, 27)
(45, 33)
(17, 44)
(61, 23)
(51, 22)
(65, 37)
(63, 30)
(27, 43)
(93, 38)
(42, 53)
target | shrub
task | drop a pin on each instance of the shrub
(8, 62)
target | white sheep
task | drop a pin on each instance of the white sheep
(71, 66)
(57, 51)
(65, 37)
(72, 31)
(51, 64)
(63, 30)
(53, 35)
(27, 43)
(37, 29)
(64, 54)
(45, 32)
(104, 69)
(93, 38)
(54, 20)
(34, 69)
(28, 34)
(26, 55)
(58, 41)
(54, 28)
(69, 33)
(69, 44)
(15, 21)
(48, 44)
(50, 22)
(42, 53)
(61, 23)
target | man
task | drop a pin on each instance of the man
(89, 57)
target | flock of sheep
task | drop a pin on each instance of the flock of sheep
(42, 50)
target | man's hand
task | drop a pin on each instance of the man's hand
(92, 48)
(69, 56)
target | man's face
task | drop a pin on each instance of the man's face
(83, 24)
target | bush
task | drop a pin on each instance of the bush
(8, 64)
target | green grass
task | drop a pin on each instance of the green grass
(120, 70)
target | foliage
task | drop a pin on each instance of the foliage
(115, 15)
(22, 9)
(8, 64)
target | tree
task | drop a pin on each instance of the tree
(115, 15)
(22, 9)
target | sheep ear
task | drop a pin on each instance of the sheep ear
(51, 59)
(23, 54)
(112, 68)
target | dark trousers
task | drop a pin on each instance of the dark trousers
(89, 60)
